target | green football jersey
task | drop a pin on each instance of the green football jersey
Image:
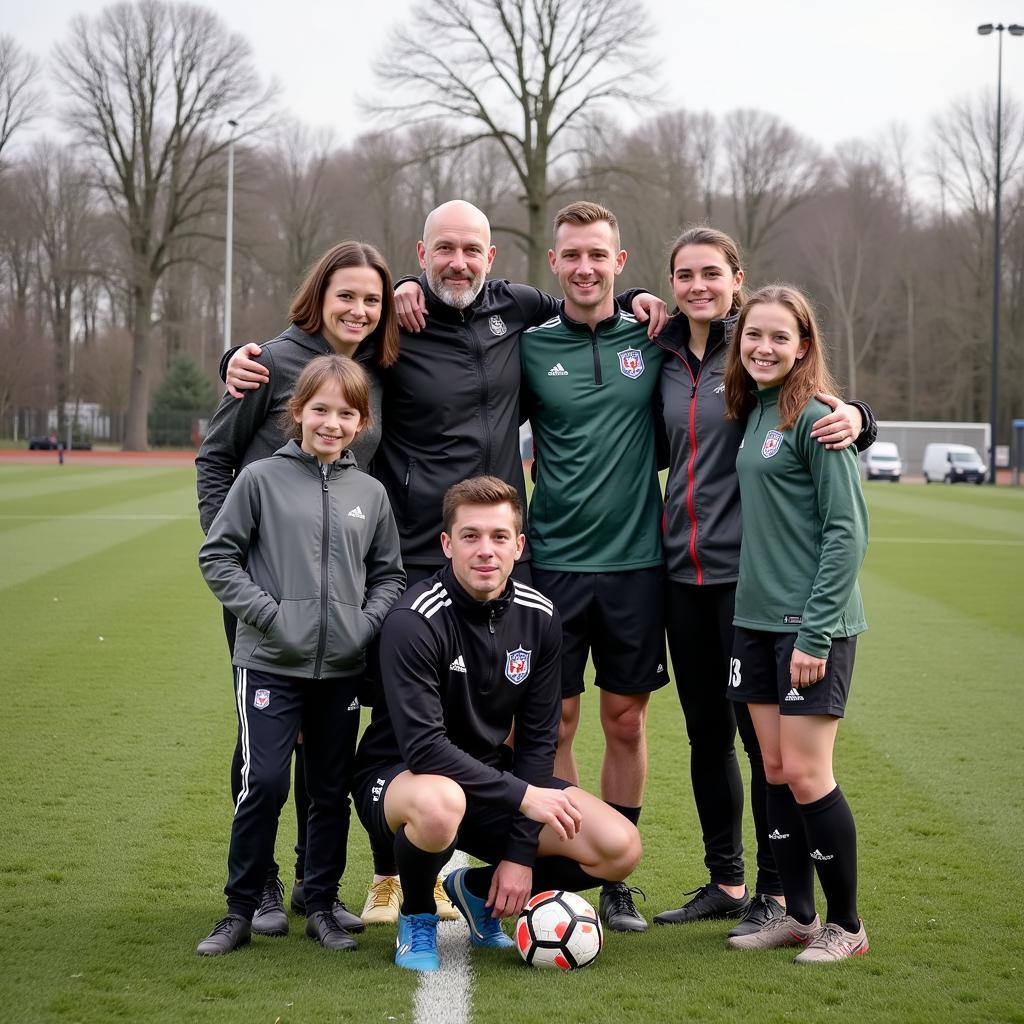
(805, 530)
(597, 503)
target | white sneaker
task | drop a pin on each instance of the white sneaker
(834, 943)
(777, 933)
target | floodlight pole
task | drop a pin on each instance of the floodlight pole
(229, 236)
(997, 252)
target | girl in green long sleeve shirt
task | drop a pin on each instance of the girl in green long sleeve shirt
(798, 613)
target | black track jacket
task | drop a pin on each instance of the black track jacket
(451, 407)
(456, 673)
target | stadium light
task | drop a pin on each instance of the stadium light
(228, 235)
(986, 30)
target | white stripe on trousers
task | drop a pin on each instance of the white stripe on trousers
(241, 689)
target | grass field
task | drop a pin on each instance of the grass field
(116, 727)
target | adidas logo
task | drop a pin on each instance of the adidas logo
(357, 513)
(354, 706)
(558, 370)
(776, 834)
(794, 695)
(818, 855)
(458, 665)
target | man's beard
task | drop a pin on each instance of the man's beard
(457, 298)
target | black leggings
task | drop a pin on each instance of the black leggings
(699, 629)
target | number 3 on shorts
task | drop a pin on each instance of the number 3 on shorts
(734, 671)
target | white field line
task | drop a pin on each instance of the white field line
(444, 997)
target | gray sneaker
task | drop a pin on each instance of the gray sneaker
(760, 910)
(228, 934)
(777, 933)
(834, 943)
(270, 917)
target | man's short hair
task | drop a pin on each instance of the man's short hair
(583, 213)
(480, 490)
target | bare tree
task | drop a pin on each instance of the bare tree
(65, 226)
(771, 170)
(149, 85)
(21, 99)
(961, 153)
(856, 251)
(524, 73)
(298, 163)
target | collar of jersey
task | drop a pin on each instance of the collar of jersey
(469, 606)
(576, 325)
(676, 334)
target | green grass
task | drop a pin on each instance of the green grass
(116, 809)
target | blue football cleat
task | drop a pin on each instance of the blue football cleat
(484, 930)
(416, 944)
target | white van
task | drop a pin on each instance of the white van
(882, 462)
(953, 463)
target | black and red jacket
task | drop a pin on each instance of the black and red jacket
(702, 496)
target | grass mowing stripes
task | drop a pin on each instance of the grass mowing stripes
(113, 845)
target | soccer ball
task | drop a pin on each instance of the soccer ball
(558, 929)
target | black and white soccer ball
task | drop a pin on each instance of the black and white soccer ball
(558, 929)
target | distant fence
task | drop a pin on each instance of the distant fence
(90, 422)
(913, 436)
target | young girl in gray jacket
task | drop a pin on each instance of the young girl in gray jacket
(305, 553)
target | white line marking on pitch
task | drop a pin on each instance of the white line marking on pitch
(444, 997)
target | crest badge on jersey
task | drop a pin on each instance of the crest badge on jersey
(631, 362)
(517, 665)
(261, 699)
(772, 444)
(497, 326)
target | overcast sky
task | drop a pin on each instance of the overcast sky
(834, 70)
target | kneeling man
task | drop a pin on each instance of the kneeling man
(466, 655)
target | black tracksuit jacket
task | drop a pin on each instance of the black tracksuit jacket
(456, 674)
(451, 407)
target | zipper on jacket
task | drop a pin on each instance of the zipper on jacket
(325, 547)
(484, 391)
(493, 659)
(691, 481)
(407, 487)
(598, 377)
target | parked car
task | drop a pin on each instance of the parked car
(51, 443)
(953, 463)
(882, 462)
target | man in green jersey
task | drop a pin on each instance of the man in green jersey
(589, 377)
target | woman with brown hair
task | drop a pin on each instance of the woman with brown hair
(798, 614)
(345, 306)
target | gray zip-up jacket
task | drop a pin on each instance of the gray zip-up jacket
(244, 430)
(307, 557)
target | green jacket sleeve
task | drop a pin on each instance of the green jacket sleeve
(844, 540)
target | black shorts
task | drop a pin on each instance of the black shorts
(484, 830)
(619, 617)
(759, 674)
